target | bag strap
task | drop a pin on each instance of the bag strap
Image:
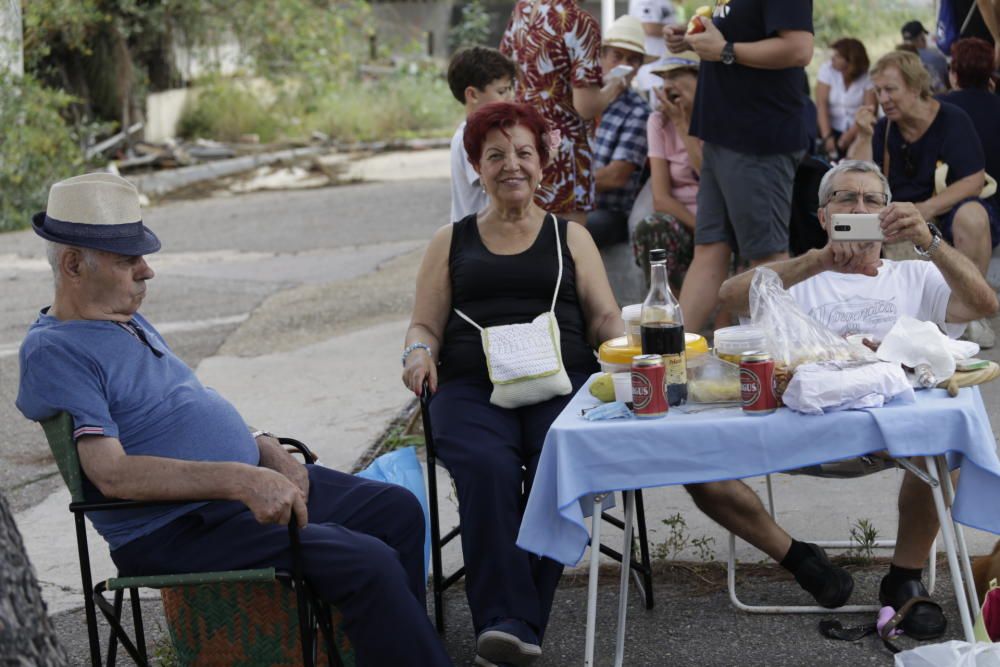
(467, 318)
(885, 149)
(555, 295)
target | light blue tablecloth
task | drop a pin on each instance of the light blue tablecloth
(581, 458)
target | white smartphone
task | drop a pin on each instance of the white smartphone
(856, 227)
(620, 72)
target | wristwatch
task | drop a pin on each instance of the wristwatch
(935, 242)
(728, 54)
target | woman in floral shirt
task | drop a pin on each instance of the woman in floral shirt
(556, 46)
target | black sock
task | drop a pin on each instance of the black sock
(897, 575)
(797, 553)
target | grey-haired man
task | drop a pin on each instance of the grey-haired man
(848, 288)
(147, 429)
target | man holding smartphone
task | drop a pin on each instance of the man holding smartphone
(850, 290)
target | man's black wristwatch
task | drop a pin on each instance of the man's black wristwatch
(728, 54)
(935, 242)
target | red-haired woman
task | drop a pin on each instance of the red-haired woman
(842, 87)
(500, 266)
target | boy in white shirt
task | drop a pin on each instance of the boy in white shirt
(477, 75)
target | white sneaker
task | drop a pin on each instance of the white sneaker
(981, 333)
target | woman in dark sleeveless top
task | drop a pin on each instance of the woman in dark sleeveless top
(500, 266)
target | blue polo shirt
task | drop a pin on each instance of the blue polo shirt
(123, 381)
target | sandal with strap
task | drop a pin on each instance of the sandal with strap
(918, 616)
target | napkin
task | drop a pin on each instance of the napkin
(911, 342)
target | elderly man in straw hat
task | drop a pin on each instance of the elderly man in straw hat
(147, 429)
(620, 146)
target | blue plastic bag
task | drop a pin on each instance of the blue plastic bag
(402, 467)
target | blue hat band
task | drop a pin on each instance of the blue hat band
(83, 230)
(680, 61)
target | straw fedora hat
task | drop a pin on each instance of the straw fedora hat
(627, 33)
(98, 211)
(672, 61)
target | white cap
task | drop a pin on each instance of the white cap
(652, 11)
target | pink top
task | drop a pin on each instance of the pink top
(665, 144)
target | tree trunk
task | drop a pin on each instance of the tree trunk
(26, 635)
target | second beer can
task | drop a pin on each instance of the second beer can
(757, 383)
(649, 386)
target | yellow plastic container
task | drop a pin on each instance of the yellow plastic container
(616, 354)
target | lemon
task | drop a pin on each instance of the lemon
(603, 388)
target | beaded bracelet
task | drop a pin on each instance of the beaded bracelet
(416, 346)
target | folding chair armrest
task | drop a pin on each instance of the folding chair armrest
(298, 447)
(110, 504)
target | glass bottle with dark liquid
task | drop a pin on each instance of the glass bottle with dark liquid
(663, 328)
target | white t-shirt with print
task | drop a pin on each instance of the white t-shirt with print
(466, 194)
(844, 101)
(857, 304)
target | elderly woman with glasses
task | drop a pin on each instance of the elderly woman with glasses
(917, 134)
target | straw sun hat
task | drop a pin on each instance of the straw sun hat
(98, 211)
(626, 33)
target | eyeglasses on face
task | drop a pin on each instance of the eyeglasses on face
(850, 198)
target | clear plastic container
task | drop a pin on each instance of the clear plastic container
(732, 342)
(633, 318)
(713, 380)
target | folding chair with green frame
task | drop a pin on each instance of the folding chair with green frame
(312, 612)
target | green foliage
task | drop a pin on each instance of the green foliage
(473, 29)
(397, 439)
(867, 20)
(864, 535)
(37, 148)
(399, 106)
(316, 41)
(226, 109)
(394, 107)
(678, 539)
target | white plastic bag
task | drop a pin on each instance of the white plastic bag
(793, 337)
(951, 654)
(833, 385)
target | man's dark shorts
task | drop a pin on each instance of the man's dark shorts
(946, 220)
(745, 200)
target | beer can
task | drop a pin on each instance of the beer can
(757, 383)
(649, 386)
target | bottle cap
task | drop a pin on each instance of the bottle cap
(658, 255)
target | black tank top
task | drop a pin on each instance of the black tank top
(509, 289)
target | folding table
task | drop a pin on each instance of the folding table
(583, 461)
